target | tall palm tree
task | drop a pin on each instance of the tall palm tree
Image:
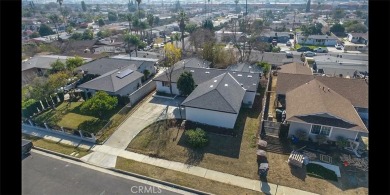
(150, 18)
(182, 20)
(143, 26)
(55, 19)
(132, 40)
(136, 24)
(236, 2)
(176, 37)
(139, 13)
(129, 18)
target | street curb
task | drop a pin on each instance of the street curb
(160, 181)
(57, 154)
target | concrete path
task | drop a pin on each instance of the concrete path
(153, 109)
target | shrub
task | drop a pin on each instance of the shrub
(276, 49)
(196, 138)
(301, 134)
(321, 138)
(341, 142)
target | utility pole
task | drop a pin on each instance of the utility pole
(246, 7)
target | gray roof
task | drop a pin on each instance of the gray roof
(104, 65)
(193, 63)
(245, 67)
(110, 82)
(314, 98)
(295, 68)
(322, 37)
(45, 61)
(249, 80)
(273, 58)
(222, 93)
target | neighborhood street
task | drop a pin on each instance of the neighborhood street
(46, 175)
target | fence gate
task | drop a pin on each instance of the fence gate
(271, 128)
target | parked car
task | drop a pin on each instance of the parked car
(309, 54)
(304, 49)
(289, 54)
(26, 146)
(321, 50)
(288, 43)
(338, 46)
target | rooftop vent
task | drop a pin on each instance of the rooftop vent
(249, 75)
(192, 71)
(124, 73)
(211, 86)
(215, 81)
(226, 85)
(207, 72)
(239, 75)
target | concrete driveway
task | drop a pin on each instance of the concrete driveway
(150, 111)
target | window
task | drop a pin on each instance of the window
(165, 84)
(318, 129)
(315, 129)
(325, 131)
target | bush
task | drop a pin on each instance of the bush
(321, 138)
(196, 138)
(341, 142)
(301, 134)
(321, 172)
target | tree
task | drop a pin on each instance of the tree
(34, 35)
(186, 83)
(182, 20)
(196, 138)
(265, 66)
(87, 34)
(200, 37)
(101, 102)
(236, 2)
(338, 14)
(40, 88)
(76, 36)
(132, 40)
(308, 6)
(112, 16)
(72, 63)
(157, 20)
(150, 19)
(208, 24)
(176, 37)
(57, 81)
(69, 30)
(101, 22)
(139, 13)
(146, 74)
(143, 26)
(191, 27)
(359, 13)
(337, 29)
(172, 55)
(129, 18)
(83, 6)
(57, 66)
(357, 28)
(55, 19)
(45, 30)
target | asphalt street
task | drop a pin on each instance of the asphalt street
(45, 175)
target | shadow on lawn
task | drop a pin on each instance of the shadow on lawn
(92, 126)
(299, 173)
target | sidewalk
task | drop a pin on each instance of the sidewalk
(105, 156)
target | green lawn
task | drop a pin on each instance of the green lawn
(72, 120)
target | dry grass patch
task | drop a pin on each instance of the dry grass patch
(179, 178)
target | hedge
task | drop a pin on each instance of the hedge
(122, 100)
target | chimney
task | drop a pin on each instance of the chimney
(328, 90)
(323, 88)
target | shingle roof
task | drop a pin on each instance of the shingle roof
(315, 98)
(221, 93)
(110, 82)
(245, 67)
(273, 58)
(355, 90)
(295, 68)
(193, 63)
(104, 65)
(45, 61)
(322, 37)
(249, 80)
(363, 35)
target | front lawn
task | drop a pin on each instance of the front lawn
(319, 171)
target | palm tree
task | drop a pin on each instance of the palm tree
(236, 2)
(132, 40)
(182, 19)
(136, 24)
(176, 37)
(143, 26)
(60, 2)
(139, 2)
(130, 19)
(55, 19)
(150, 18)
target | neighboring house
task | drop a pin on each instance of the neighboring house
(281, 37)
(245, 67)
(336, 66)
(275, 59)
(116, 82)
(39, 65)
(104, 65)
(295, 68)
(215, 102)
(361, 38)
(353, 92)
(317, 109)
(83, 48)
(317, 40)
(192, 63)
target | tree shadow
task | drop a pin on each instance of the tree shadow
(195, 156)
(299, 173)
(25, 155)
(92, 125)
(264, 186)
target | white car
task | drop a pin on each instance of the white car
(309, 54)
(338, 46)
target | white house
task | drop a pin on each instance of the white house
(324, 40)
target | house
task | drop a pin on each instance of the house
(215, 102)
(246, 67)
(339, 66)
(339, 104)
(39, 65)
(317, 109)
(275, 59)
(116, 82)
(192, 63)
(361, 38)
(317, 40)
(281, 37)
(219, 94)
